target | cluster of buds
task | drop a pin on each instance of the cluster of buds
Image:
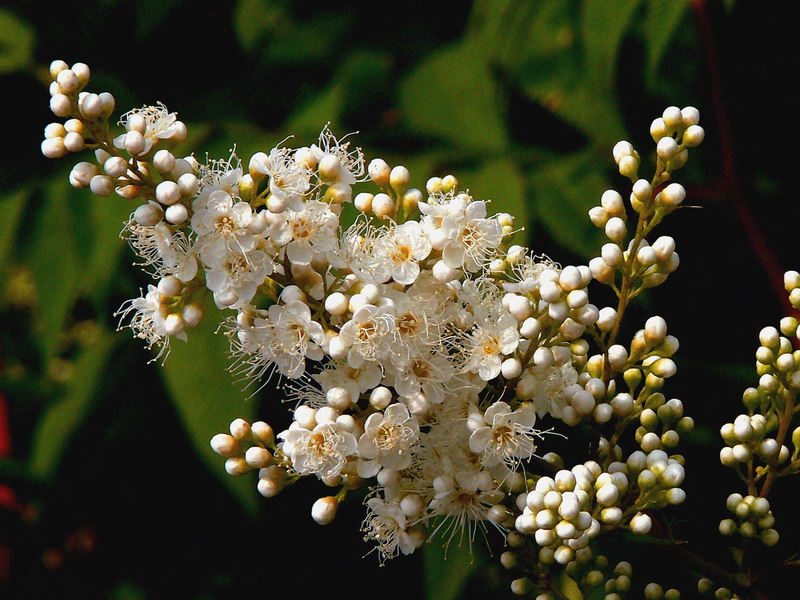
(752, 519)
(757, 442)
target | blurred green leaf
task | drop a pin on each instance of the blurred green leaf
(447, 571)
(603, 28)
(564, 191)
(501, 182)
(207, 399)
(16, 42)
(11, 208)
(662, 18)
(324, 107)
(252, 19)
(106, 217)
(452, 96)
(57, 255)
(64, 416)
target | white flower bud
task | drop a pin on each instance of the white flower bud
(511, 368)
(189, 184)
(690, 116)
(363, 202)
(441, 272)
(168, 192)
(170, 286)
(615, 229)
(338, 398)
(177, 214)
(271, 481)
(641, 523)
(148, 215)
(337, 303)
(672, 117)
(379, 172)
(305, 416)
(108, 103)
(693, 136)
(658, 129)
(398, 178)
(603, 412)
(673, 194)
(642, 190)
(91, 106)
(258, 457)
(617, 356)
(54, 147)
(324, 510)
(622, 149)
(598, 216)
(628, 166)
(102, 185)
(67, 81)
(236, 465)
(380, 397)
(173, 324)
(383, 206)
(192, 315)
(225, 445)
(134, 143)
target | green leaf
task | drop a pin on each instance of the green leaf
(661, 19)
(11, 208)
(447, 571)
(16, 43)
(106, 217)
(452, 96)
(603, 28)
(564, 191)
(207, 399)
(501, 182)
(64, 416)
(56, 255)
(324, 107)
(252, 19)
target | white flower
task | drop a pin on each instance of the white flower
(322, 451)
(387, 440)
(428, 373)
(222, 224)
(295, 337)
(398, 252)
(160, 124)
(351, 161)
(356, 380)
(235, 279)
(367, 335)
(288, 179)
(505, 436)
(471, 238)
(464, 499)
(487, 344)
(386, 524)
(168, 252)
(148, 320)
(305, 233)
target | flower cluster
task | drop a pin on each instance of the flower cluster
(422, 347)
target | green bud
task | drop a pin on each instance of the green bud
(751, 399)
(632, 377)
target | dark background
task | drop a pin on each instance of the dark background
(129, 511)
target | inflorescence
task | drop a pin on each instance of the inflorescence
(423, 347)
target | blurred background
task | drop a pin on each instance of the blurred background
(108, 487)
